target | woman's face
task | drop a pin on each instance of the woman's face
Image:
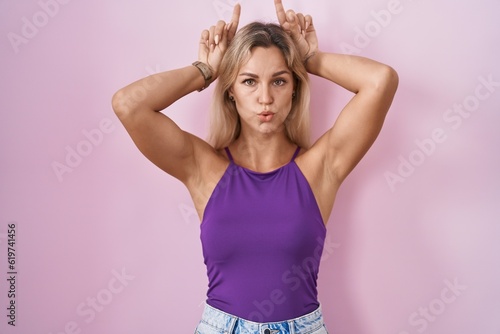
(263, 91)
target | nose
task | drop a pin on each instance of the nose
(265, 96)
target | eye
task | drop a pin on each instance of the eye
(279, 82)
(249, 82)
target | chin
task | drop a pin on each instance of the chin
(267, 128)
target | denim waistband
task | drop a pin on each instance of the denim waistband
(221, 322)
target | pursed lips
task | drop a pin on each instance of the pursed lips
(266, 116)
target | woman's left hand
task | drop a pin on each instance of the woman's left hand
(300, 28)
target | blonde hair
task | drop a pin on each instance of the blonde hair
(225, 124)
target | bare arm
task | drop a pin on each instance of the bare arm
(358, 125)
(155, 134)
(138, 106)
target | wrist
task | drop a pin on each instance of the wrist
(312, 62)
(206, 71)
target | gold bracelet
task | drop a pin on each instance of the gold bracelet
(206, 71)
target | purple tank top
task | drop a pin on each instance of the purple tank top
(262, 236)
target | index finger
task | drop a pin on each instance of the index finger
(235, 20)
(280, 11)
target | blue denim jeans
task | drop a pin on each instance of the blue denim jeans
(215, 321)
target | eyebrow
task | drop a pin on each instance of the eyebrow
(252, 75)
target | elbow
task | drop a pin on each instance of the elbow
(392, 78)
(387, 80)
(121, 104)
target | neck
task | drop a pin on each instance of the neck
(263, 152)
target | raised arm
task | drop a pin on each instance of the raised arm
(374, 84)
(138, 105)
(359, 123)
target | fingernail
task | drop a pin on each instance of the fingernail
(216, 39)
(307, 25)
(228, 26)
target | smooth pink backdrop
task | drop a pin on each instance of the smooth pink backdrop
(107, 243)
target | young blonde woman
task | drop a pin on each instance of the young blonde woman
(263, 194)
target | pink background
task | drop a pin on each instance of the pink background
(418, 215)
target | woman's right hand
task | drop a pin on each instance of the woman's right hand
(214, 41)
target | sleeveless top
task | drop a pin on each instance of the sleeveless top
(262, 237)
